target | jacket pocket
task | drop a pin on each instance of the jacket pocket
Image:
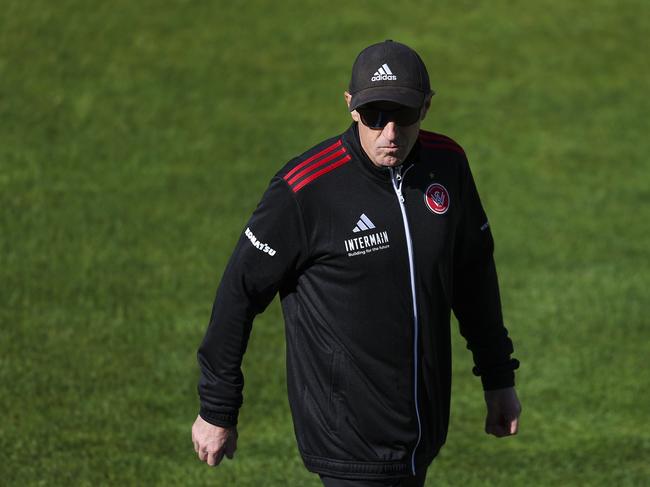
(335, 390)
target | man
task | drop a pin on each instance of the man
(371, 238)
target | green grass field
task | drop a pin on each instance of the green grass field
(137, 137)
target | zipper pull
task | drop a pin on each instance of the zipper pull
(399, 187)
(399, 194)
(397, 176)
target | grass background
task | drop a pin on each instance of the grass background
(137, 137)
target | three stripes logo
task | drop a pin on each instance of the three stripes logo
(317, 165)
(383, 74)
(364, 223)
(431, 140)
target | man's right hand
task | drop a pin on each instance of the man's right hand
(212, 442)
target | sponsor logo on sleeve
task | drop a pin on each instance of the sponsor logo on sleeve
(257, 244)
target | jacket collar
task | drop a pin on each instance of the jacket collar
(351, 140)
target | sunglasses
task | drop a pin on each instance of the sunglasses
(376, 117)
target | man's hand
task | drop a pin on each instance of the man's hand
(212, 442)
(503, 410)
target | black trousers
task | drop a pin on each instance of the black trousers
(410, 481)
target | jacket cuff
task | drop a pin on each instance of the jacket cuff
(498, 377)
(224, 420)
(498, 381)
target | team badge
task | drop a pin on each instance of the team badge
(436, 198)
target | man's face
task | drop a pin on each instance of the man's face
(388, 146)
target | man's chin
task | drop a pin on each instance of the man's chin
(389, 161)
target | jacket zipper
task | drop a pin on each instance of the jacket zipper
(397, 178)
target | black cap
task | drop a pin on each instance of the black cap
(389, 71)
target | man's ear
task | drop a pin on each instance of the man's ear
(426, 106)
(353, 113)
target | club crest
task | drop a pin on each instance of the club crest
(436, 198)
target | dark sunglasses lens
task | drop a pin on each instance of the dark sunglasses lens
(373, 118)
(407, 116)
(378, 119)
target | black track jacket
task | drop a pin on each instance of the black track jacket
(369, 262)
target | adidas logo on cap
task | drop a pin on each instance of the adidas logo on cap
(383, 74)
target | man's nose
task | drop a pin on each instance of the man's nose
(390, 131)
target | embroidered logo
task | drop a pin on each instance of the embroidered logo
(436, 198)
(383, 73)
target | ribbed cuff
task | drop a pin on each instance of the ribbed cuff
(498, 381)
(498, 377)
(224, 420)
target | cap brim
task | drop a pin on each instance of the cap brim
(397, 94)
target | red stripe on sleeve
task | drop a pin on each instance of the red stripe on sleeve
(442, 145)
(325, 160)
(312, 158)
(432, 136)
(318, 174)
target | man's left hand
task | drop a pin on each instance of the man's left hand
(503, 410)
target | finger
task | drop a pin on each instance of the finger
(218, 457)
(211, 458)
(203, 454)
(514, 426)
(496, 430)
(491, 424)
(500, 431)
